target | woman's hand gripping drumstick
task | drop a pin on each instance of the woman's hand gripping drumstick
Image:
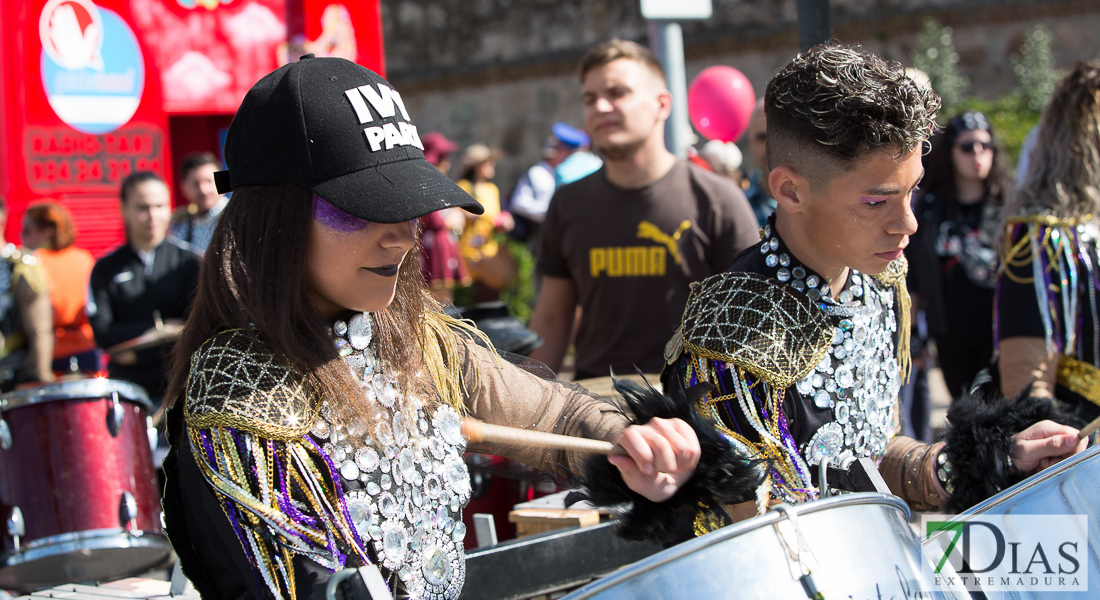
(654, 459)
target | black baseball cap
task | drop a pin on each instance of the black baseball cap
(342, 131)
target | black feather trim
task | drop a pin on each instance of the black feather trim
(723, 474)
(979, 440)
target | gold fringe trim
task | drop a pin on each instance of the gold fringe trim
(441, 356)
(894, 276)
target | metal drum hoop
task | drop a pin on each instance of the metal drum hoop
(80, 389)
(1033, 481)
(93, 539)
(717, 537)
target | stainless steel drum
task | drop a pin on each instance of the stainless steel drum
(855, 546)
(1072, 487)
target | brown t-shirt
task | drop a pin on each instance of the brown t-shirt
(633, 253)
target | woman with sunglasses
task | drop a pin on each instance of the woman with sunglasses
(316, 393)
(952, 260)
(1047, 318)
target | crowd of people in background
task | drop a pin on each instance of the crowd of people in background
(661, 223)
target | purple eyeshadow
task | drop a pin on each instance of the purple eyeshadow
(334, 218)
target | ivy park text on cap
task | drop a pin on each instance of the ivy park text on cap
(342, 131)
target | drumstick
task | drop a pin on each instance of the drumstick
(1091, 427)
(478, 432)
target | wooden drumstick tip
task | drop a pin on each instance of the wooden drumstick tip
(473, 431)
(1091, 427)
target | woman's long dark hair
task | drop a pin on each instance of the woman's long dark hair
(939, 167)
(253, 279)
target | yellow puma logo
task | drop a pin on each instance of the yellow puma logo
(649, 231)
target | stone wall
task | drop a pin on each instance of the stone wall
(502, 71)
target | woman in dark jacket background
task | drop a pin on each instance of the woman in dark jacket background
(952, 258)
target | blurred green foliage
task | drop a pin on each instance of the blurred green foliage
(1034, 67)
(520, 294)
(1012, 115)
(936, 57)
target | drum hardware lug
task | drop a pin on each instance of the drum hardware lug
(822, 477)
(5, 434)
(800, 558)
(17, 528)
(810, 587)
(151, 431)
(74, 365)
(127, 513)
(115, 413)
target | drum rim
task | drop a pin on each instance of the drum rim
(772, 516)
(78, 540)
(1030, 482)
(80, 389)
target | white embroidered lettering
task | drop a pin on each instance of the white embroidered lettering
(393, 137)
(361, 110)
(383, 104)
(375, 135)
(415, 137)
(406, 135)
(397, 100)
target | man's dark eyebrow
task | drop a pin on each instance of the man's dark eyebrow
(892, 191)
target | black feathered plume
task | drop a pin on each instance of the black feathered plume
(980, 438)
(723, 475)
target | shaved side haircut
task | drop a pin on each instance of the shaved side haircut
(833, 106)
(602, 54)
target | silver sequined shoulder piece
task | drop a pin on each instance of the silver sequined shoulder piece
(236, 382)
(759, 324)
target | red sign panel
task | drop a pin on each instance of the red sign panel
(62, 160)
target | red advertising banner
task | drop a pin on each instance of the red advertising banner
(80, 111)
(90, 86)
(210, 52)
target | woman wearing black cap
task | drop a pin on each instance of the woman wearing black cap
(316, 393)
(952, 257)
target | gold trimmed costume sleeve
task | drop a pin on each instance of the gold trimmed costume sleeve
(247, 423)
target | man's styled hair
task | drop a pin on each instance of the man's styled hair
(135, 179)
(603, 53)
(832, 105)
(195, 160)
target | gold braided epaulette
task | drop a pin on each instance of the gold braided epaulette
(236, 382)
(1048, 220)
(758, 324)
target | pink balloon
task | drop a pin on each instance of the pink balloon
(720, 103)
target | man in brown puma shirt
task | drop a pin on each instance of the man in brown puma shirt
(625, 242)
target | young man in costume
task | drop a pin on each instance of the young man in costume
(805, 336)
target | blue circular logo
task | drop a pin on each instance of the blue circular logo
(92, 68)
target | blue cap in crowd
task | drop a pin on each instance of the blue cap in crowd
(569, 135)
